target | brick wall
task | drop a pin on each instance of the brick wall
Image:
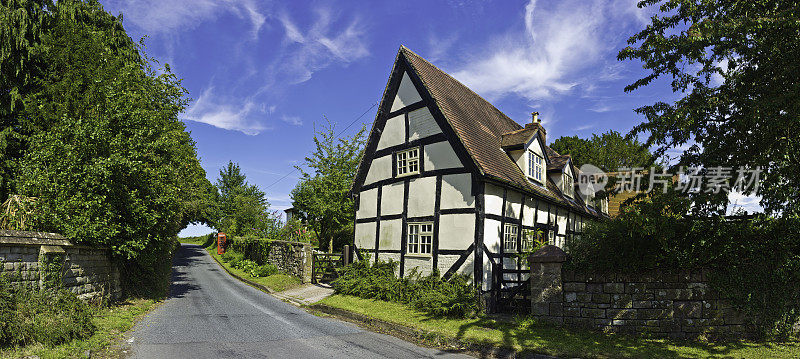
(676, 304)
(86, 271)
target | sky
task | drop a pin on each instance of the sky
(263, 75)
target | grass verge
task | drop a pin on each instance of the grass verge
(274, 283)
(112, 322)
(527, 336)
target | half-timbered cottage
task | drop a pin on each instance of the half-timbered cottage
(449, 182)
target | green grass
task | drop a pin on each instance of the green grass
(204, 240)
(528, 336)
(276, 282)
(112, 322)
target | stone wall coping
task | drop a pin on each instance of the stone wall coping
(548, 254)
(32, 238)
(291, 242)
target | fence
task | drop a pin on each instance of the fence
(326, 266)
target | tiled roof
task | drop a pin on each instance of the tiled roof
(557, 162)
(481, 128)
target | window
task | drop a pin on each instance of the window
(510, 237)
(535, 166)
(567, 186)
(551, 236)
(420, 238)
(531, 237)
(408, 162)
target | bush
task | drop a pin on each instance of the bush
(252, 248)
(431, 294)
(753, 263)
(42, 316)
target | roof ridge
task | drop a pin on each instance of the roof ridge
(406, 49)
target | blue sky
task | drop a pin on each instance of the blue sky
(261, 74)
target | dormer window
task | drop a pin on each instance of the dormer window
(408, 162)
(567, 187)
(535, 166)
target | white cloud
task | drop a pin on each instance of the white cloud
(739, 201)
(169, 16)
(292, 120)
(561, 47)
(226, 113)
(327, 41)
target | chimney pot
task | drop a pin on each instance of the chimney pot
(535, 117)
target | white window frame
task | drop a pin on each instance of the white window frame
(551, 236)
(419, 241)
(407, 162)
(510, 235)
(567, 188)
(535, 166)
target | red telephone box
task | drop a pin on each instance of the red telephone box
(221, 239)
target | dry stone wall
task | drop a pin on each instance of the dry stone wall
(677, 304)
(40, 260)
(294, 258)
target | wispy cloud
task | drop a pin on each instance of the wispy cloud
(329, 40)
(227, 113)
(585, 127)
(170, 16)
(560, 44)
(292, 120)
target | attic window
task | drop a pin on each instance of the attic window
(408, 162)
(567, 186)
(535, 166)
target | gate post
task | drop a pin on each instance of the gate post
(347, 255)
(546, 283)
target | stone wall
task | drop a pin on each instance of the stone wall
(663, 304)
(292, 257)
(39, 260)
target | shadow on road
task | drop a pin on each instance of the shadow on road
(184, 258)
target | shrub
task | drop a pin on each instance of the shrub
(431, 294)
(49, 317)
(252, 248)
(253, 269)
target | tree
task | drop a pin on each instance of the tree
(609, 151)
(734, 64)
(92, 131)
(321, 197)
(243, 208)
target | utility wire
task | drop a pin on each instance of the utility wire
(337, 136)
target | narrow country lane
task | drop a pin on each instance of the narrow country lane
(212, 315)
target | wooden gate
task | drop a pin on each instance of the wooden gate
(325, 266)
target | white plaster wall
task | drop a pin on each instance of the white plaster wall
(407, 94)
(368, 204)
(423, 264)
(440, 155)
(521, 159)
(456, 231)
(390, 233)
(562, 221)
(493, 198)
(457, 191)
(394, 132)
(422, 196)
(365, 235)
(392, 199)
(487, 272)
(421, 124)
(491, 235)
(379, 169)
(529, 214)
(542, 218)
(535, 146)
(513, 204)
(466, 268)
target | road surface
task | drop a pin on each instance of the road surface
(209, 314)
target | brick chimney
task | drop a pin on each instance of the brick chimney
(537, 123)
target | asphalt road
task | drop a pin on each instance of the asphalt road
(212, 315)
